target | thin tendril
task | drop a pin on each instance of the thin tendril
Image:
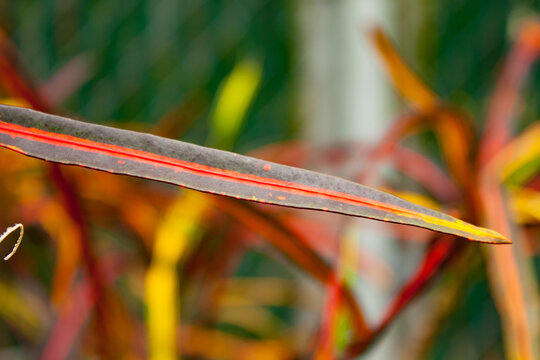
(6, 233)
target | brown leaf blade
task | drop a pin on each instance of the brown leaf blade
(67, 141)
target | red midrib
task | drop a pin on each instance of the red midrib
(197, 169)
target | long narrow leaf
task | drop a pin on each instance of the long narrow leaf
(406, 81)
(67, 141)
(294, 248)
(503, 107)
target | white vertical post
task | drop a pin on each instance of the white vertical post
(344, 95)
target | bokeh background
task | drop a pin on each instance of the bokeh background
(311, 74)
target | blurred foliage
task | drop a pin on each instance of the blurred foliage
(160, 66)
(460, 47)
(147, 57)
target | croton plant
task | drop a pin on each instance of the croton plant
(488, 178)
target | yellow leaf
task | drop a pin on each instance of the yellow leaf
(520, 159)
(526, 205)
(405, 80)
(20, 102)
(236, 93)
(174, 236)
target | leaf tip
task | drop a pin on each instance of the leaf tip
(491, 237)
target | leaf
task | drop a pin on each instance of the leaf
(64, 82)
(510, 272)
(236, 94)
(511, 276)
(453, 131)
(426, 173)
(16, 314)
(74, 314)
(525, 205)
(519, 161)
(13, 80)
(174, 237)
(436, 255)
(199, 342)
(67, 141)
(295, 248)
(503, 104)
(406, 82)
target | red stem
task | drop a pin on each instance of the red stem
(73, 207)
(436, 256)
(17, 84)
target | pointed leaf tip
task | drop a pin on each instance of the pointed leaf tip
(68, 141)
